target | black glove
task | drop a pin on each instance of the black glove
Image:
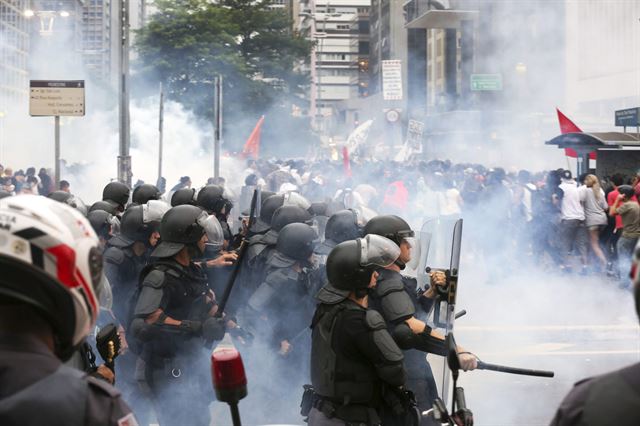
(191, 327)
(213, 329)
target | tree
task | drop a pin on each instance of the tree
(188, 42)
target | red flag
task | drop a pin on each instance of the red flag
(252, 145)
(568, 126)
(345, 162)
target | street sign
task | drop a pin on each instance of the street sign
(392, 80)
(414, 134)
(628, 117)
(56, 98)
(486, 82)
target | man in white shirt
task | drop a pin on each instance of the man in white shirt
(573, 233)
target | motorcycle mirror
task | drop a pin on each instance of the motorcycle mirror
(452, 355)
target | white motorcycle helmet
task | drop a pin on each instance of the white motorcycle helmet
(50, 260)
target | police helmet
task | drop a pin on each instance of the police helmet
(342, 226)
(116, 193)
(50, 261)
(351, 263)
(285, 215)
(101, 222)
(105, 206)
(390, 226)
(297, 240)
(185, 225)
(211, 198)
(144, 193)
(183, 196)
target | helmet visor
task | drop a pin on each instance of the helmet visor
(377, 250)
(295, 199)
(213, 229)
(154, 210)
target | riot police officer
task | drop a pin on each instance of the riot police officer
(48, 304)
(211, 198)
(174, 317)
(397, 298)
(128, 254)
(286, 286)
(116, 194)
(341, 226)
(183, 196)
(269, 202)
(355, 364)
(144, 193)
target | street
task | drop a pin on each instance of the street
(576, 327)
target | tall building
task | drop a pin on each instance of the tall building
(603, 60)
(494, 72)
(96, 39)
(340, 62)
(14, 53)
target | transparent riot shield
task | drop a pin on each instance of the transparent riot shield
(440, 241)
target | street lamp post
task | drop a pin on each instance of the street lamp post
(124, 159)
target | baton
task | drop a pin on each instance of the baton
(236, 267)
(514, 370)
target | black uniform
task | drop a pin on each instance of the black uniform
(396, 298)
(355, 363)
(175, 358)
(122, 268)
(37, 389)
(610, 399)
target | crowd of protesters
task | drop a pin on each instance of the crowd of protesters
(582, 225)
(28, 182)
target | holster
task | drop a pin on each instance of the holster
(402, 404)
(307, 400)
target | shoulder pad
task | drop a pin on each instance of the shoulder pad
(154, 279)
(375, 320)
(330, 295)
(255, 239)
(114, 255)
(280, 275)
(100, 386)
(388, 283)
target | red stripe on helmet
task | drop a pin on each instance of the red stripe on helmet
(68, 274)
(65, 264)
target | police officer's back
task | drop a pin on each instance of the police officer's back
(48, 304)
(355, 363)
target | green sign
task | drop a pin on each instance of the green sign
(486, 82)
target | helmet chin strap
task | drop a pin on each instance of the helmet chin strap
(400, 264)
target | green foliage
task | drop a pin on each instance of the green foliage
(188, 42)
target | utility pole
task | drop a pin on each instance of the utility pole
(124, 159)
(218, 126)
(160, 132)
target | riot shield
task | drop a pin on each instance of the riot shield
(440, 243)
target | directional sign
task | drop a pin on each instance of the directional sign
(486, 82)
(628, 117)
(414, 133)
(392, 80)
(56, 98)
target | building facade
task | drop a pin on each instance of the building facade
(14, 54)
(603, 60)
(339, 66)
